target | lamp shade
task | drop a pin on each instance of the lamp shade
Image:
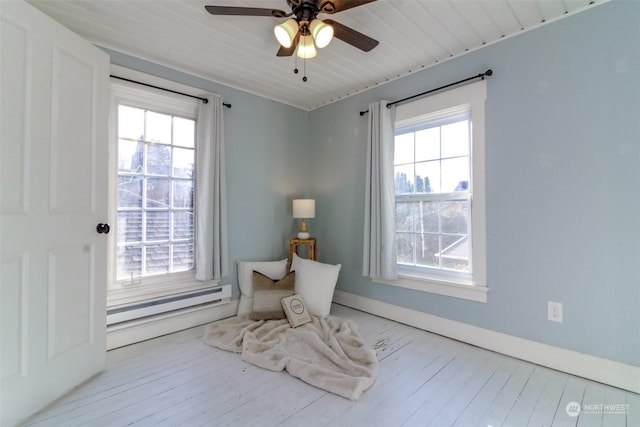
(286, 32)
(304, 208)
(306, 48)
(321, 32)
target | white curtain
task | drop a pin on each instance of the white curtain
(379, 251)
(212, 254)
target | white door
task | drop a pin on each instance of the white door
(53, 136)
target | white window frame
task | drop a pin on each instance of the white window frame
(135, 95)
(474, 286)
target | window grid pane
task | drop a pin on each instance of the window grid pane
(156, 156)
(433, 196)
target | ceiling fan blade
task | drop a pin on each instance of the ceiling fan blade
(351, 36)
(336, 6)
(288, 51)
(245, 11)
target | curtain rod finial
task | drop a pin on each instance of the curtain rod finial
(489, 72)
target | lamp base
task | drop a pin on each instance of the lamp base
(303, 235)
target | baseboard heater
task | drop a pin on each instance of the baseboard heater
(212, 296)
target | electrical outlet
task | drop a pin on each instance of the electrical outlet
(554, 311)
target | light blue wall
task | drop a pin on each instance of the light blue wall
(563, 183)
(266, 160)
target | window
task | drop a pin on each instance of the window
(155, 194)
(432, 165)
(439, 187)
(152, 192)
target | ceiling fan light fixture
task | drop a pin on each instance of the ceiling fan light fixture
(286, 32)
(322, 33)
(306, 48)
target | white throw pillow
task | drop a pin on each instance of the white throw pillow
(275, 270)
(315, 282)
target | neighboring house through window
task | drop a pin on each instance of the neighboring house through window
(439, 186)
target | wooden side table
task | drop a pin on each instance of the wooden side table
(295, 243)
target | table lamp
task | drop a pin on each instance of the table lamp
(304, 208)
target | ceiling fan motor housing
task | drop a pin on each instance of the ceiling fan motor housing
(307, 10)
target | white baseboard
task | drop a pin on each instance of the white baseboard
(606, 371)
(126, 333)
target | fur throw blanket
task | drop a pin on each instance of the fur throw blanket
(328, 353)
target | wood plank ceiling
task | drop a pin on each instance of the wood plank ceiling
(240, 52)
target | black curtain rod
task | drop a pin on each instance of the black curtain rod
(487, 73)
(205, 100)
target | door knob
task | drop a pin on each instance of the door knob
(103, 228)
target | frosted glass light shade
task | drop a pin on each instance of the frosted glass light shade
(306, 48)
(304, 208)
(286, 32)
(322, 33)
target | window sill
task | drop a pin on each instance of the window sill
(135, 292)
(453, 288)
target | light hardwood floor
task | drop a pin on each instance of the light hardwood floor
(424, 380)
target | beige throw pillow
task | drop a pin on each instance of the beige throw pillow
(274, 269)
(267, 294)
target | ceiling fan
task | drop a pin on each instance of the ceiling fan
(303, 32)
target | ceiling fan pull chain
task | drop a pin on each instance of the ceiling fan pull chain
(304, 67)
